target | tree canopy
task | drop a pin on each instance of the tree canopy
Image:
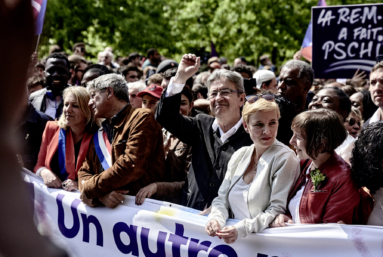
(247, 28)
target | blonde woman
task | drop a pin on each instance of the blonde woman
(259, 177)
(65, 142)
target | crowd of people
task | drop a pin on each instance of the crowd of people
(262, 146)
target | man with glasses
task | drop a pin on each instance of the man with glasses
(127, 154)
(295, 81)
(213, 139)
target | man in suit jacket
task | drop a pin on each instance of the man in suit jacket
(214, 140)
(136, 146)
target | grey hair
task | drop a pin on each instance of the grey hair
(110, 54)
(115, 81)
(232, 76)
(137, 85)
(306, 72)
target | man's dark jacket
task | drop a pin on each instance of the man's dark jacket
(37, 99)
(209, 156)
(30, 134)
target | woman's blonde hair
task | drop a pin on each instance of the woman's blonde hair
(82, 97)
(358, 114)
(261, 105)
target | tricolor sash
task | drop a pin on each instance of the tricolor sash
(103, 149)
(62, 152)
(66, 153)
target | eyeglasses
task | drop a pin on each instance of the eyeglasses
(352, 121)
(223, 92)
(133, 77)
(267, 97)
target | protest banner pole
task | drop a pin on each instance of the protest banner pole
(37, 44)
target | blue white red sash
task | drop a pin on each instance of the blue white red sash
(103, 149)
(62, 152)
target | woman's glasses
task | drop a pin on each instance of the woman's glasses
(267, 97)
(352, 121)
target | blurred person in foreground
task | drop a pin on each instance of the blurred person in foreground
(19, 236)
(65, 142)
(213, 139)
(258, 179)
(137, 159)
(325, 191)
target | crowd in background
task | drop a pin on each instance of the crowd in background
(265, 146)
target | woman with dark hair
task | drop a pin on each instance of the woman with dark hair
(363, 102)
(325, 191)
(367, 167)
(335, 99)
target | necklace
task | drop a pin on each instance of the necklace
(256, 165)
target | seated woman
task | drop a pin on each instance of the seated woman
(335, 99)
(325, 191)
(65, 142)
(258, 179)
(367, 167)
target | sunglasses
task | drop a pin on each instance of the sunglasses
(267, 97)
(352, 121)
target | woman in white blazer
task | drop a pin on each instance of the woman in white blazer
(259, 177)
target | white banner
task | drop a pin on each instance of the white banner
(163, 229)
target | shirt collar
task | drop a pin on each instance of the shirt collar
(234, 129)
(376, 116)
(116, 118)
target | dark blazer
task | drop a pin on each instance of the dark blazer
(209, 155)
(30, 134)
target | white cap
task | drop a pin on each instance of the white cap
(263, 76)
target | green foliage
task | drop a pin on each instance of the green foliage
(247, 28)
(125, 25)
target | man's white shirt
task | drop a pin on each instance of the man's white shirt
(174, 88)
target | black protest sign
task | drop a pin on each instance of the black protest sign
(346, 38)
